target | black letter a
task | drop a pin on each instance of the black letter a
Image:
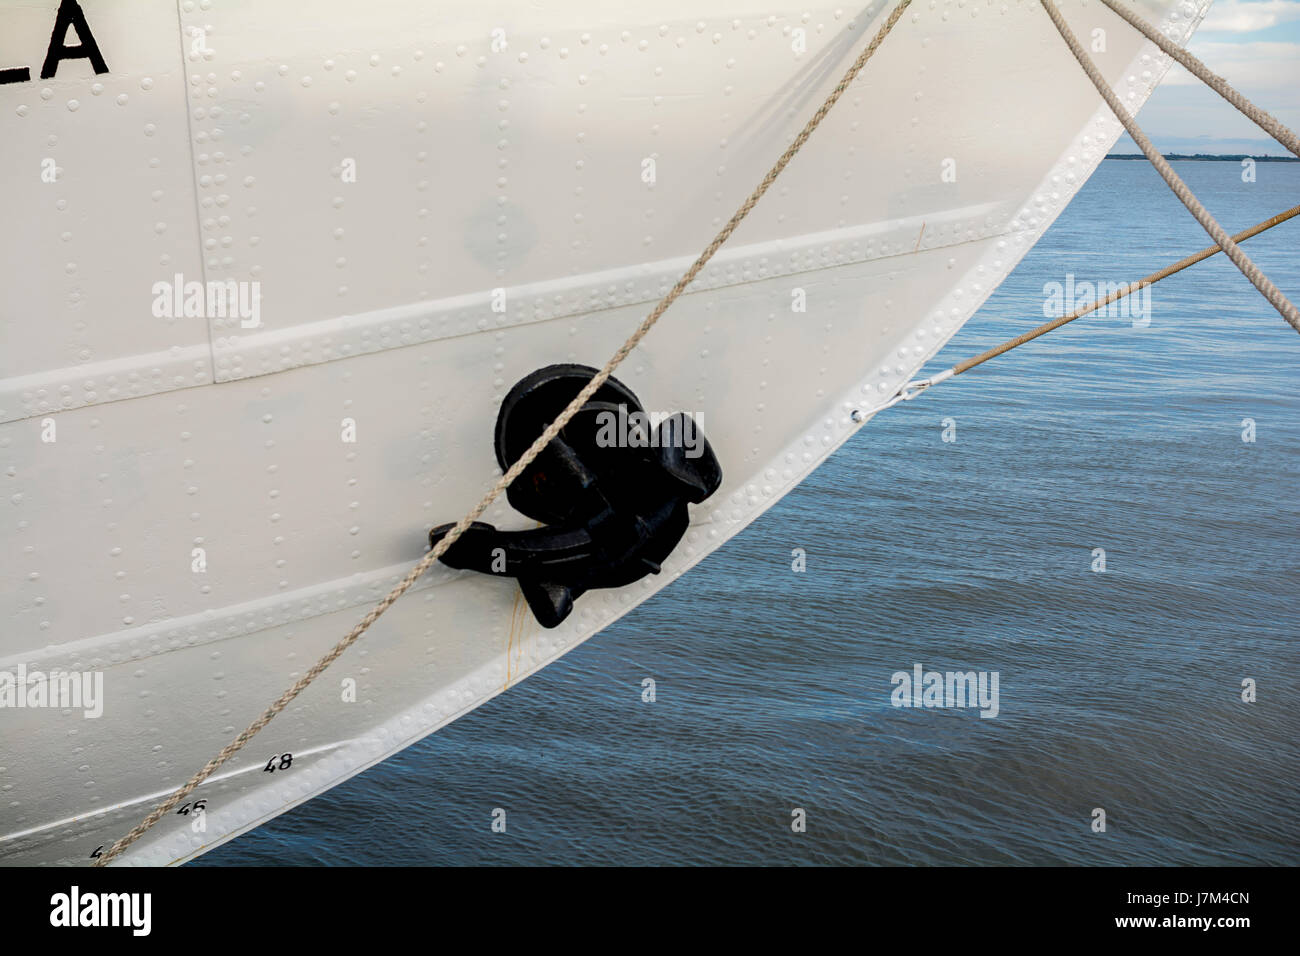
(71, 15)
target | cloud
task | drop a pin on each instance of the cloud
(1251, 66)
(1247, 16)
(1253, 44)
(1177, 115)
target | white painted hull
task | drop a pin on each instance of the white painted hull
(475, 170)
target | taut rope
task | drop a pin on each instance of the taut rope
(1153, 278)
(914, 388)
(1251, 271)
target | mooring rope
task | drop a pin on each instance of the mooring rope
(1252, 272)
(1265, 121)
(912, 389)
(524, 461)
(1120, 293)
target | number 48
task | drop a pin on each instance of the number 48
(285, 762)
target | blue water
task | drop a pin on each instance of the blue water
(1118, 690)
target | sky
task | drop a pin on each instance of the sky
(1255, 46)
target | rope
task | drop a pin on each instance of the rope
(1153, 278)
(1265, 121)
(1261, 282)
(914, 388)
(514, 471)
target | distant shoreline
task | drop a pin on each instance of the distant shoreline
(1210, 157)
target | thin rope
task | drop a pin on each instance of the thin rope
(1120, 293)
(524, 461)
(1265, 121)
(1252, 272)
(916, 387)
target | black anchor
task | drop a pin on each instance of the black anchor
(610, 491)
